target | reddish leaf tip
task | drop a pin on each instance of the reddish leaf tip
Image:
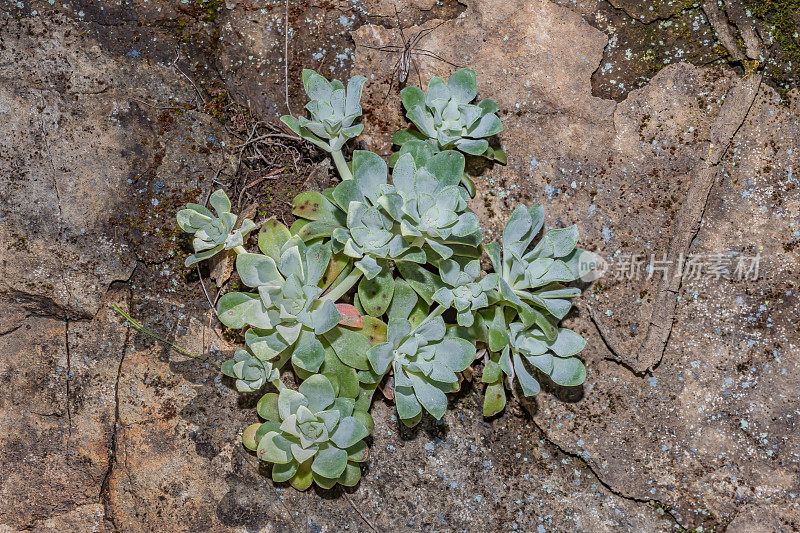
(350, 316)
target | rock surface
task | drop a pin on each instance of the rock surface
(689, 414)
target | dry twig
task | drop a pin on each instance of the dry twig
(286, 55)
(357, 510)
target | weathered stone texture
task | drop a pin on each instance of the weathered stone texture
(105, 135)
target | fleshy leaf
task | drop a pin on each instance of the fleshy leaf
(309, 352)
(423, 281)
(408, 407)
(375, 294)
(257, 269)
(330, 462)
(238, 309)
(274, 448)
(457, 353)
(374, 329)
(351, 346)
(464, 85)
(351, 475)
(567, 343)
(284, 472)
(494, 400)
(319, 392)
(498, 334)
(403, 300)
(249, 436)
(350, 316)
(526, 380)
(267, 407)
(336, 267)
(429, 396)
(325, 317)
(473, 146)
(568, 372)
(412, 96)
(220, 202)
(271, 238)
(289, 401)
(312, 205)
(349, 432)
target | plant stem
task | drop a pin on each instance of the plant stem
(240, 250)
(346, 284)
(279, 384)
(341, 165)
(436, 312)
(146, 331)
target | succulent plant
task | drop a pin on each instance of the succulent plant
(287, 311)
(530, 284)
(212, 234)
(333, 110)
(412, 246)
(530, 279)
(310, 435)
(446, 118)
(554, 358)
(425, 363)
(250, 373)
(465, 290)
(371, 238)
(428, 206)
(352, 217)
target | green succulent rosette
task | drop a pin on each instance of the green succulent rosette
(333, 109)
(352, 217)
(212, 233)
(249, 372)
(425, 363)
(464, 289)
(378, 284)
(427, 204)
(530, 287)
(286, 314)
(531, 278)
(530, 348)
(310, 435)
(445, 116)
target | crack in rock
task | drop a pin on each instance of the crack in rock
(69, 375)
(738, 103)
(655, 504)
(105, 486)
(618, 359)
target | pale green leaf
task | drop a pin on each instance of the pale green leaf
(288, 402)
(267, 407)
(526, 380)
(330, 462)
(274, 448)
(318, 391)
(325, 317)
(494, 400)
(429, 396)
(568, 372)
(351, 346)
(256, 270)
(349, 432)
(463, 85)
(309, 352)
(376, 294)
(284, 472)
(238, 309)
